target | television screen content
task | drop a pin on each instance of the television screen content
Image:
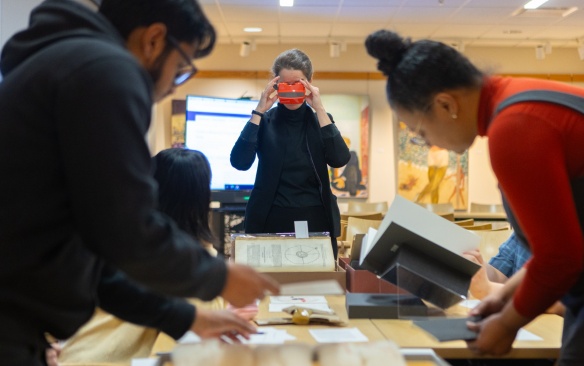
(212, 127)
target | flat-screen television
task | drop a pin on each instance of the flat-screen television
(212, 127)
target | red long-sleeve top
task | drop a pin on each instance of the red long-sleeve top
(536, 149)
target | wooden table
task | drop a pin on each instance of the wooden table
(337, 303)
(495, 216)
(406, 335)
(547, 326)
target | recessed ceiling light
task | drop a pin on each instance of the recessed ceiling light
(286, 2)
(252, 29)
(534, 4)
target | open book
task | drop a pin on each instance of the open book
(421, 252)
(285, 254)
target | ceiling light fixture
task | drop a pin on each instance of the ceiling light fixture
(534, 4)
(581, 52)
(539, 52)
(335, 50)
(245, 49)
(581, 49)
(252, 29)
(286, 2)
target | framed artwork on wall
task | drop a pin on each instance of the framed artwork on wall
(351, 116)
(178, 123)
(429, 174)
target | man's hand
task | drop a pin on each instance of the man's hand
(52, 354)
(218, 323)
(247, 312)
(245, 285)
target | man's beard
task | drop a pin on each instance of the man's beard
(156, 70)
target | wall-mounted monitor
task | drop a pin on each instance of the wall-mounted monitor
(212, 127)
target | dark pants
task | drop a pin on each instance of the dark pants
(281, 220)
(572, 352)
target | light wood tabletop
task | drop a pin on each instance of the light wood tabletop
(547, 326)
(459, 215)
(406, 335)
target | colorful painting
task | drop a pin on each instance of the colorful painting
(178, 123)
(351, 116)
(431, 174)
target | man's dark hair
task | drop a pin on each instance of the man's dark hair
(184, 20)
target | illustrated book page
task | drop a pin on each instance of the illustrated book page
(285, 254)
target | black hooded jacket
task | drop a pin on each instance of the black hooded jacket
(76, 190)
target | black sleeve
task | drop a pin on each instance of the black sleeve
(127, 300)
(244, 151)
(112, 192)
(336, 151)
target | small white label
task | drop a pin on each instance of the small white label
(301, 229)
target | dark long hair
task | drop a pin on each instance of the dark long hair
(416, 71)
(184, 20)
(184, 190)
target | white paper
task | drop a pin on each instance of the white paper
(295, 300)
(367, 244)
(189, 337)
(338, 335)
(324, 287)
(525, 335)
(267, 335)
(301, 229)
(145, 362)
(470, 304)
(285, 254)
(428, 225)
(276, 308)
(278, 303)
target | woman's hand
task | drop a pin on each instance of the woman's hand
(495, 336)
(313, 98)
(268, 97)
(494, 303)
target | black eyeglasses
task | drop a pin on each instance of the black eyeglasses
(186, 72)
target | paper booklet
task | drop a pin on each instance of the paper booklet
(407, 223)
(285, 254)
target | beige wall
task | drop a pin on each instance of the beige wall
(482, 184)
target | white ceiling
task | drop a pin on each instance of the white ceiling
(472, 22)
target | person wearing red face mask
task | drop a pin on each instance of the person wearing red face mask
(294, 142)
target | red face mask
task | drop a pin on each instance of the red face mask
(291, 93)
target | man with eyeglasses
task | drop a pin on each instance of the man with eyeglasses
(76, 191)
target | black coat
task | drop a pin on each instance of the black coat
(267, 141)
(77, 190)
